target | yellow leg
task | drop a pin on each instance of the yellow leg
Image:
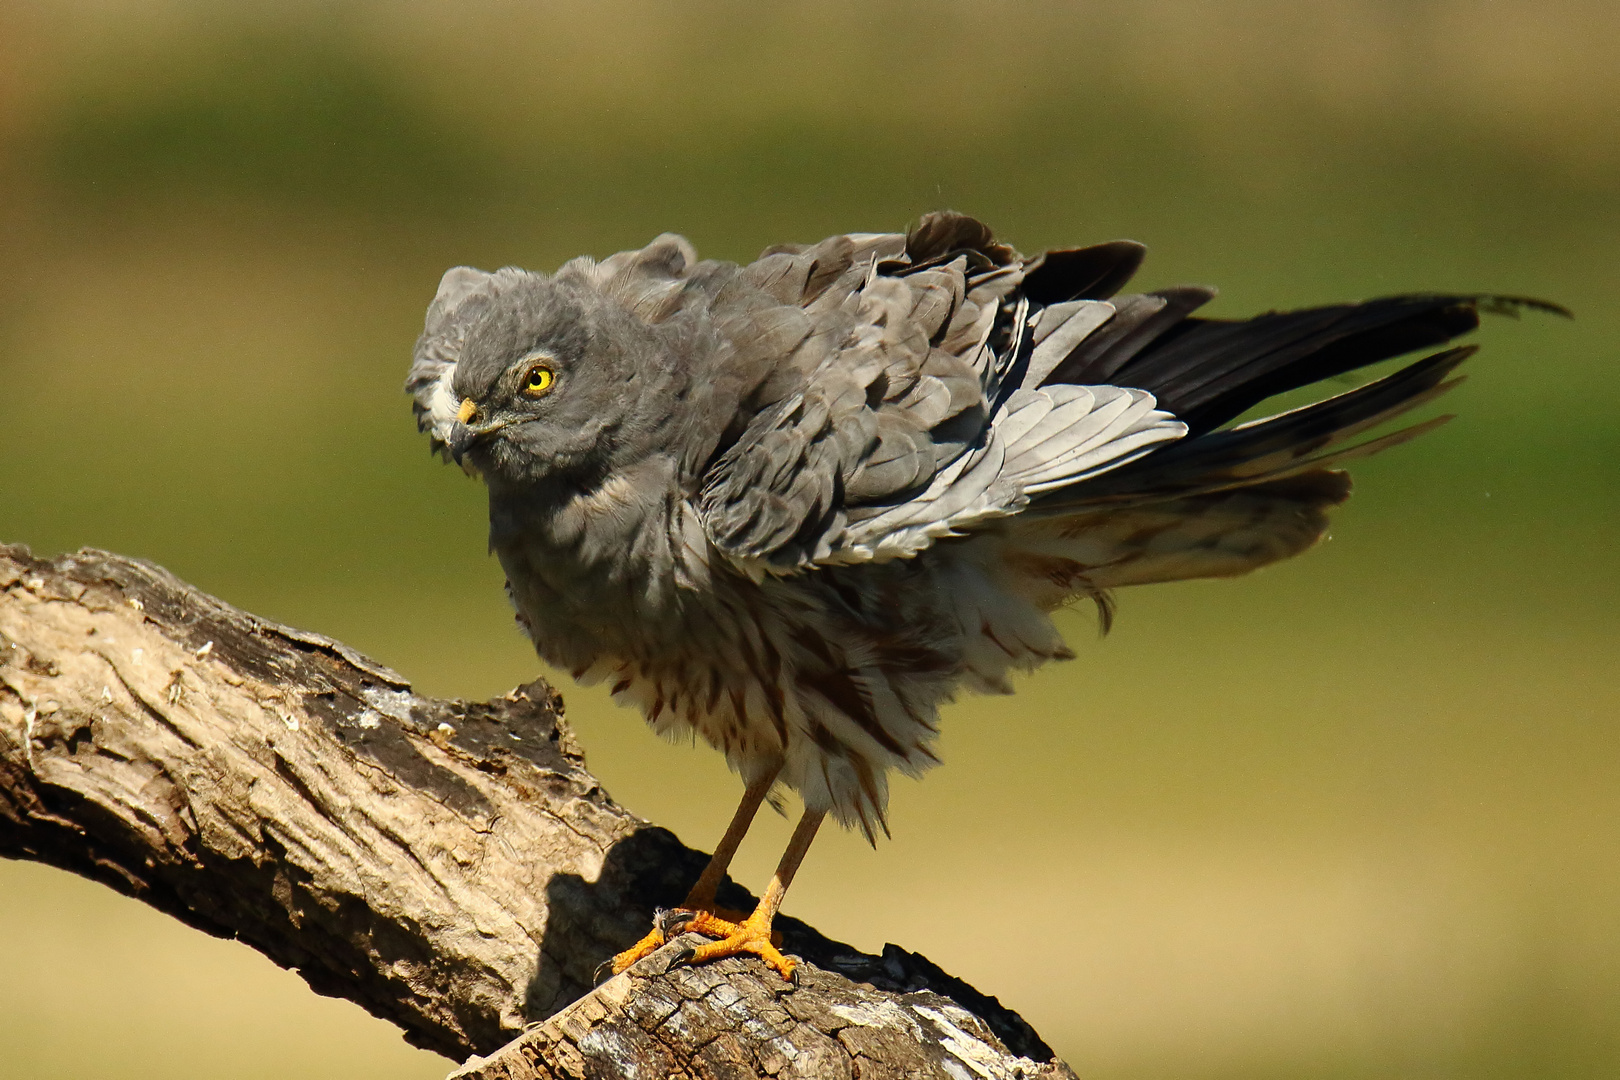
(754, 934)
(706, 918)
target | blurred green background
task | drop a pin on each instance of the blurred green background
(1356, 816)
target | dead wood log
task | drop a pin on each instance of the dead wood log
(451, 866)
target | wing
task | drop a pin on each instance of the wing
(870, 394)
(912, 408)
(1227, 500)
(957, 383)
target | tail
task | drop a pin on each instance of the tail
(1221, 502)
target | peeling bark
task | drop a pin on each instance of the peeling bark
(736, 1018)
(449, 865)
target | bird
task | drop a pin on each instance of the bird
(794, 507)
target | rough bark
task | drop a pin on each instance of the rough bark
(449, 865)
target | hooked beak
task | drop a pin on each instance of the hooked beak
(460, 438)
(463, 434)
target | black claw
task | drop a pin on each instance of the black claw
(607, 966)
(672, 921)
(679, 960)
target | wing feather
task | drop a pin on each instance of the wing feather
(1061, 330)
(876, 392)
(923, 418)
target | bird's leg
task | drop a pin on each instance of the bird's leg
(753, 934)
(699, 903)
(701, 895)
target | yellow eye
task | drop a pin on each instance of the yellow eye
(538, 380)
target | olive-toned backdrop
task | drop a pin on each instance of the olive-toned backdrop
(1356, 816)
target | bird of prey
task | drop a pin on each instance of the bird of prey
(794, 506)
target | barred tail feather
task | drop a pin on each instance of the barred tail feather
(1212, 534)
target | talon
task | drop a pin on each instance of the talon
(752, 936)
(673, 921)
(646, 946)
(670, 923)
(679, 960)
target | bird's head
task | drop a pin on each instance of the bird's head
(558, 383)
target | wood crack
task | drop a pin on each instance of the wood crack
(150, 709)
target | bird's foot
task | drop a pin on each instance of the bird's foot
(645, 947)
(752, 935)
(714, 922)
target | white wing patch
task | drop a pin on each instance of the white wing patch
(1041, 440)
(1059, 330)
(1063, 434)
(964, 493)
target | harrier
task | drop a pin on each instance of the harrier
(793, 507)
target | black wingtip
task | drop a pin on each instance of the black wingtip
(1439, 364)
(1511, 306)
(1089, 273)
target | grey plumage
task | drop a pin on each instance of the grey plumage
(795, 505)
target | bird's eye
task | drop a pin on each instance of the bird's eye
(538, 380)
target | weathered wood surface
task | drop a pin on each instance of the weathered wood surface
(450, 866)
(737, 1018)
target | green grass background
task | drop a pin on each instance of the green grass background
(1356, 816)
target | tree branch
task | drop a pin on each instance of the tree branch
(449, 865)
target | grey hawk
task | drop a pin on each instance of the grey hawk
(794, 506)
